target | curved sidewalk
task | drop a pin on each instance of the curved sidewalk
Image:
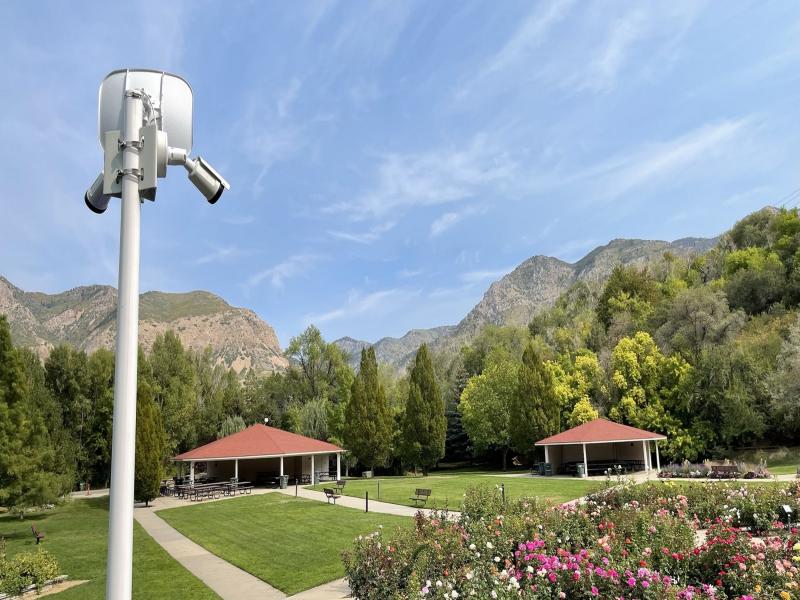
(228, 581)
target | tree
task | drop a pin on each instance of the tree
(149, 446)
(100, 392)
(456, 445)
(649, 388)
(368, 428)
(755, 279)
(66, 377)
(314, 419)
(784, 385)
(174, 389)
(630, 290)
(26, 455)
(485, 405)
(696, 319)
(230, 426)
(320, 364)
(534, 411)
(583, 412)
(424, 425)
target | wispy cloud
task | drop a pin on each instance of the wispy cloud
(404, 181)
(532, 32)
(614, 53)
(484, 275)
(685, 156)
(294, 266)
(408, 273)
(365, 237)
(448, 219)
(219, 255)
(357, 304)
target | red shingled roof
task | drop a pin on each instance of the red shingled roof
(258, 440)
(597, 431)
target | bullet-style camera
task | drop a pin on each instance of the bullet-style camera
(95, 199)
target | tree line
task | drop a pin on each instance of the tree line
(704, 349)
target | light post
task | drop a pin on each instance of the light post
(139, 112)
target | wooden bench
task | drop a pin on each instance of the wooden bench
(420, 496)
(339, 485)
(331, 494)
(723, 472)
(37, 534)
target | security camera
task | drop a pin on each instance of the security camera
(210, 183)
(95, 199)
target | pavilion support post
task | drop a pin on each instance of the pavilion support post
(585, 462)
(658, 460)
(191, 472)
(338, 466)
(281, 466)
(236, 469)
(312, 470)
(546, 455)
(646, 458)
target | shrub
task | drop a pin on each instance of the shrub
(26, 569)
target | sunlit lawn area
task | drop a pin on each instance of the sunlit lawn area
(447, 488)
(782, 461)
(291, 543)
(76, 535)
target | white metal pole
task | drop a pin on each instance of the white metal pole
(338, 466)
(236, 469)
(123, 446)
(281, 466)
(312, 470)
(644, 455)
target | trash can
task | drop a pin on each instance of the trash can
(80, 486)
(581, 470)
(284, 481)
(547, 469)
(315, 478)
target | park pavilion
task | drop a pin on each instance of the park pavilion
(261, 454)
(600, 445)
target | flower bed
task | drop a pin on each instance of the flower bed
(624, 543)
(687, 470)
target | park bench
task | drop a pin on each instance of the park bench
(420, 496)
(339, 485)
(37, 534)
(723, 472)
(331, 494)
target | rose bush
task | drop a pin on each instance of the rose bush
(624, 543)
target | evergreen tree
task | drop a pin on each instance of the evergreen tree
(368, 427)
(424, 426)
(149, 446)
(535, 411)
(456, 445)
(26, 455)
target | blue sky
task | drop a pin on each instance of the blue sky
(388, 161)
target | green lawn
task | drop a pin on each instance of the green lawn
(76, 534)
(780, 461)
(291, 543)
(447, 489)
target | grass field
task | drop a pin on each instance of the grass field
(447, 489)
(780, 461)
(292, 544)
(76, 534)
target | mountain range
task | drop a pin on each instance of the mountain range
(533, 285)
(85, 316)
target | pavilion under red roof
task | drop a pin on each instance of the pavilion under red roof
(259, 441)
(600, 431)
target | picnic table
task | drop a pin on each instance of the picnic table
(203, 491)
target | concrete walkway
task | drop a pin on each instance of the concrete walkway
(228, 581)
(359, 504)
